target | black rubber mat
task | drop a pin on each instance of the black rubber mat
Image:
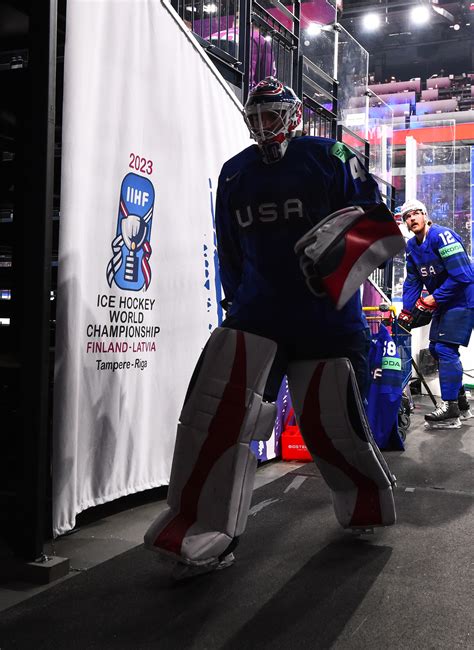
(299, 581)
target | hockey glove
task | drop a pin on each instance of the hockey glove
(422, 313)
(405, 320)
(343, 249)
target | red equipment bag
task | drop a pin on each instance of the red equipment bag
(292, 443)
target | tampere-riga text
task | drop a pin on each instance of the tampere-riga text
(121, 365)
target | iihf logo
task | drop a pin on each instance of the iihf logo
(129, 267)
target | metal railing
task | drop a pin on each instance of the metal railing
(319, 92)
(273, 49)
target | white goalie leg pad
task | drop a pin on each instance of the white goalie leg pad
(334, 426)
(213, 468)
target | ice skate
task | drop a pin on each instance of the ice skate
(445, 416)
(464, 409)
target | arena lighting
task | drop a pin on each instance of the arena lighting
(210, 9)
(313, 29)
(456, 27)
(268, 38)
(371, 22)
(420, 15)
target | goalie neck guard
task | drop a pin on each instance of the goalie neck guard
(272, 113)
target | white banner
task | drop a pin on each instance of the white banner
(147, 125)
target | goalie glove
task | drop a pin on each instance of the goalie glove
(338, 254)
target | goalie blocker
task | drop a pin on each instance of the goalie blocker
(213, 468)
(341, 251)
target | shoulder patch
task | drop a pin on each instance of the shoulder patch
(452, 249)
(341, 151)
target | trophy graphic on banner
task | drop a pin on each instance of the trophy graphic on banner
(134, 233)
(129, 267)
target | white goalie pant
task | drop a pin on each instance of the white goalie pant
(335, 429)
(213, 469)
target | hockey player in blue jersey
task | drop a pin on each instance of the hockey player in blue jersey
(300, 226)
(437, 260)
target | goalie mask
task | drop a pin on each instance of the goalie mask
(272, 113)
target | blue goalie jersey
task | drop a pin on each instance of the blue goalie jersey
(261, 212)
(441, 264)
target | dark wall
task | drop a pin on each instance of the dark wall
(422, 59)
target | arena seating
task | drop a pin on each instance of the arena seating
(396, 87)
(398, 110)
(438, 106)
(429, 95)
(399, 98)
(438, 82)
(423, 97)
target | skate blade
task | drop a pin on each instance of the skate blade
(454, 423)
(188, 571)
(466, 415)
(362, 530)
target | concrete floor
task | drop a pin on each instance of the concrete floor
(106, 538)
(110, 536)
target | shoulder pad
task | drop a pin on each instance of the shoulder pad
(341, 151)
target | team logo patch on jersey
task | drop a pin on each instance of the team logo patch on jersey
(129, 266)
(341, 151)
(391, 363)
(452, 249)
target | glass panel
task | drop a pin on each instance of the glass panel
(352, 74)
(354, 141)
(462, 218)
(321, 12)
(279, 10)
(380, 137)
(432, 167)
(318, 39)
(318, 45)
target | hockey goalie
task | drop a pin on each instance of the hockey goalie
(300, 225)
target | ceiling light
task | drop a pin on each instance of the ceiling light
(456, 27)
(313, 29)
(210, 8)
(371, 22)
(420, 15)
